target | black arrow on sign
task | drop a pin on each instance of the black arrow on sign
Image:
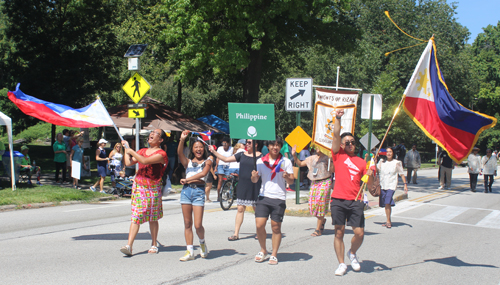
(136, 113)
(300, 93)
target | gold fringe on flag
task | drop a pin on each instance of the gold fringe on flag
(423, 41)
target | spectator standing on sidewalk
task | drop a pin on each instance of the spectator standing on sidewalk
(489, 165)
(412, 162)
(389, 171)
(102, 162)
(59, 148)
(347, 201)
(321, 180)
(446, 164)
(474, 167)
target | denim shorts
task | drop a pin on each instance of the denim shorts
(193, 194)
(223, 169)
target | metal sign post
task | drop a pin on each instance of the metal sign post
(298, 99)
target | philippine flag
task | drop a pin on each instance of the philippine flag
(93, 115)
(206, 135)
(430, 105)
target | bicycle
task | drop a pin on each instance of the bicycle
(228, 191)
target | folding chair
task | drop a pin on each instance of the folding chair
(24, 175)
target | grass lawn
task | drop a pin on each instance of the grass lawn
(43, 194)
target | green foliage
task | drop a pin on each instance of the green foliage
(227, 37)
(486, 54)
(40, 132)
(45, 194)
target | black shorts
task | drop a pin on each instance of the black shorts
(352, 211)
(266, 207)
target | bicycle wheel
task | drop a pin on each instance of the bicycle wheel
(226, 193)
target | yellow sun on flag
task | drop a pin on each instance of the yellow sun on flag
(423, 80)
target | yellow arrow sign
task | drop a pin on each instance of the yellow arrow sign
(137, 113)
(136, 87)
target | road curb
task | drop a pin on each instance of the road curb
(52, 204)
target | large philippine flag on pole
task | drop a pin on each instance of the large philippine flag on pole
(429, 103)
(93, 115)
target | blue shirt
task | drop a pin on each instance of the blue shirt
(77, 156)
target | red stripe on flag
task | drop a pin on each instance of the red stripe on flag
(44, 113)
(425, 115)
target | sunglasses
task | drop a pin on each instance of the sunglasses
(248, 143)
(348, 143)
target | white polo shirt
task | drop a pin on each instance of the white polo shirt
(275, 188)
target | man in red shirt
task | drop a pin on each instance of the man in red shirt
(347, 200)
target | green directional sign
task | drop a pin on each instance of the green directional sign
(252, 121)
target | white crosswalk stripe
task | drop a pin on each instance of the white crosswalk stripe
(441, 213)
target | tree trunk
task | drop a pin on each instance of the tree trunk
(252, 76)
(53, 134)
(179, 95)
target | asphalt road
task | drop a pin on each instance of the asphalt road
(438, 237)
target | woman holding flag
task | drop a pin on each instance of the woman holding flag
(146, 190)
(388, 173)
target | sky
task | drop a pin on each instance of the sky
(477, 14)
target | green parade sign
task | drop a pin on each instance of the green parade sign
(252, 121)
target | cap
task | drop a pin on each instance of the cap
(475, 148)
(102, 141)
(24, 147)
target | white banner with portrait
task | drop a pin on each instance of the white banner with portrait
(327, 101)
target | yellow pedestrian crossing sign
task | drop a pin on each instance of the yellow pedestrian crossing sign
(137, 113)
(136, 87)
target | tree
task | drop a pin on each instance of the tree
(240, 37)
(486, 54)
(65, 50)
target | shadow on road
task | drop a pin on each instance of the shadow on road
(293, 256)
(394, 224)
(120, 236)
(451, 261)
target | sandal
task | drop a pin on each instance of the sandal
(260, 257)
(388, 225)
(233, 238)
(127, 250)
(273, 260)
(153, 250)
(316, 233)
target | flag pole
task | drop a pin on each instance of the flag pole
(114, 125)
(392, 120)
(363, 186)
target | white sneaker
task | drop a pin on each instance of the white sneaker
(354, 261)
(187, 256)
(203, 250)
(341, 270)
(440, 188)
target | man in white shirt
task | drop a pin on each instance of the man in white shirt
(272, 197)
(223, 167)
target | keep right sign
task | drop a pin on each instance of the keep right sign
(299, 94)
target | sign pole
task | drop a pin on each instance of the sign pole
(372, 98)
(297, 182)
(137, 131)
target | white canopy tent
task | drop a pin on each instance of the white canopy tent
(5, 120)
